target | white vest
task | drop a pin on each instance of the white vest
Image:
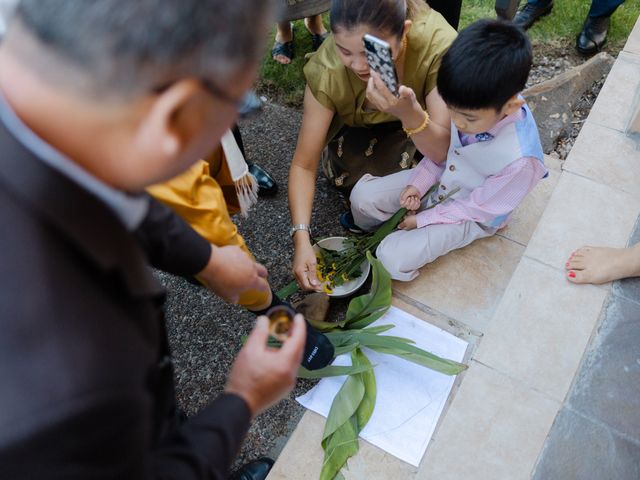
(469, 166)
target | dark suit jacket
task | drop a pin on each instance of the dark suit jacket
(86, 384)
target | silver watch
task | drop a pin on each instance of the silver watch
(299, 226)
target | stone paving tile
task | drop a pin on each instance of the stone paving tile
(582, 212)
(579, 449)
(526, 217)
(606, 156)
(629, 287)
(301, 458)
(541, 328)
(466, 284)
(494, 430)
(607, 388)
(613, 108)
(633, 42)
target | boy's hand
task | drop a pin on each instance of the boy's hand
(409, 222)
(410, 198)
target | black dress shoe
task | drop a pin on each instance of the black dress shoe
(256, 470)
(528, 15)
(593, 35)
(267, 185)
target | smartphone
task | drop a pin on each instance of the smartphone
(379, 57)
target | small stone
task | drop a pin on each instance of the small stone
(314, 306)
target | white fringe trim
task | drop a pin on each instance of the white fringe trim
(247, 192)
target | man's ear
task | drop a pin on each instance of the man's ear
(174, 117)
(514, 104)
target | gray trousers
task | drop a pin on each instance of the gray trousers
(403, 252)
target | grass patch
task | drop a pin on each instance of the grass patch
(285, 83)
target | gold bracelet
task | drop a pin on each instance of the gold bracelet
(423, 125)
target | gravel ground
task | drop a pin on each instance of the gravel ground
(205, 333)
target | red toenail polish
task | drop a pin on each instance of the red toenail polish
(572, 274)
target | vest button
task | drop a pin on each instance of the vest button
(456, 152)
(444, 187)
(440, 197)
(452, 168)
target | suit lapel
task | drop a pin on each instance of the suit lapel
(81, 217)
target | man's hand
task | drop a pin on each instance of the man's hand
(410, 198)
(262, 375)
(409, 222)
(231, 271)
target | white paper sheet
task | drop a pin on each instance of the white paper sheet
(410, 398)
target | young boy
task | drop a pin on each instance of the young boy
(495, 157)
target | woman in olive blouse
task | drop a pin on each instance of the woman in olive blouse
(351, 119)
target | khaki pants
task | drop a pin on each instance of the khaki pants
(403, 252)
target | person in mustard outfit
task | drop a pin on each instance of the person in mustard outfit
(204, 194)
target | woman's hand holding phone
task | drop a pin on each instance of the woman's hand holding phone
(405, 107)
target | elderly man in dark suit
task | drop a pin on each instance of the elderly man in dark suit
(99, 99)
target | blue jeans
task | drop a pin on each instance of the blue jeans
(599, 8)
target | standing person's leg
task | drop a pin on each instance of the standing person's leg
(531, 12)
(449, 9)
(596, 26)
(405, 251)
(316, 29)
(282, 51)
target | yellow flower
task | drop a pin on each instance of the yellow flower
(344, 277)
(326, 288)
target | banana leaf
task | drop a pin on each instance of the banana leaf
(346, 401)
(423, 358)
(334, 371)
(338, 447)
(366, 309)
(368, 403)
(287, 290)
(378, 329)
(345, 349)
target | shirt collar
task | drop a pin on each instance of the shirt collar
(130, 209)
(514, 117)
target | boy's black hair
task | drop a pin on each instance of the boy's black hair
(485, 66)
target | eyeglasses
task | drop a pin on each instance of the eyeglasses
(214, 90)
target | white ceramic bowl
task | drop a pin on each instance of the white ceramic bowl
(347, 288)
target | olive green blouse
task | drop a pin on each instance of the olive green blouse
(339, 89)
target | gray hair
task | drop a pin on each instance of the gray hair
(129, 46)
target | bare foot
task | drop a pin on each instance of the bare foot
(284, 34)
(599, 265)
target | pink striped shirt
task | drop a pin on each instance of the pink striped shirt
(499, 195)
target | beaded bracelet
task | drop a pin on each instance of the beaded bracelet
(423, 125)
